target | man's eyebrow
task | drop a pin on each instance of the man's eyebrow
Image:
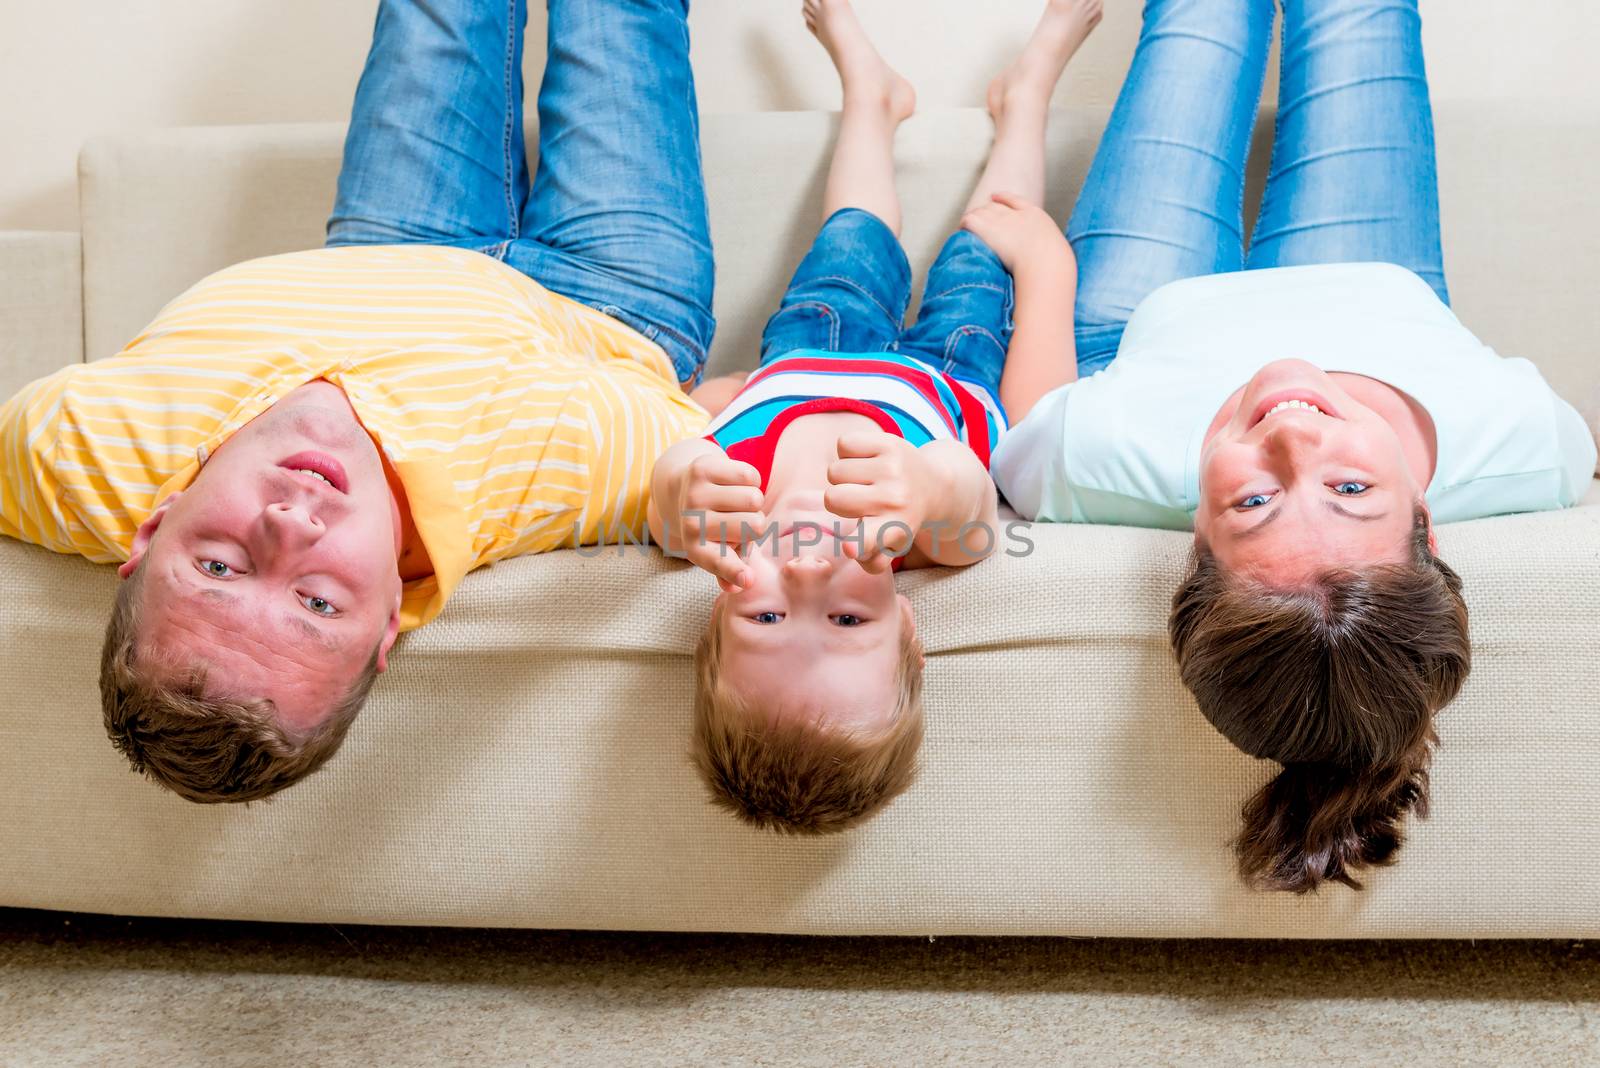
(311, 630)
(1364, 517)
(1272, 515)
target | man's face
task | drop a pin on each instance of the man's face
(276, 569)
(1298, 477)
(815, 633)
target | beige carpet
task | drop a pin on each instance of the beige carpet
(103, 991)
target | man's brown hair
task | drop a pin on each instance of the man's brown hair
(206, 749)
(794, 776)
(1338, 682)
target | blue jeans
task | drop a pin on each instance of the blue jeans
(851, 291)
(615, 217)
(1353, 179)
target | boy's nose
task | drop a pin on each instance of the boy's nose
(808, 568)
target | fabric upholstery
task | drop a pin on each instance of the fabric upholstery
(41, 305)
(524, 761)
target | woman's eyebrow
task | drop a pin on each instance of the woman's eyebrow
(1274, 514)
(1364, 517)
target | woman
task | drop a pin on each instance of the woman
(1307, 405)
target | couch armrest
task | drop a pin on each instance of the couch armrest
(41, 305)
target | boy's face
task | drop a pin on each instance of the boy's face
(815, 634)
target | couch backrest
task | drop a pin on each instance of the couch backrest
(162, 209)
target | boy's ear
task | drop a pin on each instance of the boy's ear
(908, 619)
(144, 535)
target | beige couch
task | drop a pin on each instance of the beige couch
(523, 764)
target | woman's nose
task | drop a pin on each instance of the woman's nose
(1294, 434)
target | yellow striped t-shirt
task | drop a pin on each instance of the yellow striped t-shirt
(518, 421)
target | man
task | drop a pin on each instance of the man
(303, 455)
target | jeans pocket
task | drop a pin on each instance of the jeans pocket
(975, 354)
(809, 324)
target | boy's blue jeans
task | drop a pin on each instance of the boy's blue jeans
(615, 216)
(851, 291)
(1353, 178)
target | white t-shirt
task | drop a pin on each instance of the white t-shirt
(1123, 445)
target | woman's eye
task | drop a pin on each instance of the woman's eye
(1255, 500)
(216, 568)
(319, 605)
(1350, 489)
(845, 619)
(768, 618)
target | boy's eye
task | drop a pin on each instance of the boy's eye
(767, 618)
(216, 568)
(1350, 489)
(1255, 500)
(845, 619)
(321, 606)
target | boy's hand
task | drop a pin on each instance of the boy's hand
(880, 479)
(718, 501)
(1020, 233)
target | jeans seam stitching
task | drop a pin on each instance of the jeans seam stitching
(513, 222)
(851, 283)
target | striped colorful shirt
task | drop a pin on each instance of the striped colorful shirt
(517, 420)
(903, 395)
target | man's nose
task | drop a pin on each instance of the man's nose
(291, 526)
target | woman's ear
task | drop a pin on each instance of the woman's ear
(144, 535)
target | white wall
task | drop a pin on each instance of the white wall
(73, 68)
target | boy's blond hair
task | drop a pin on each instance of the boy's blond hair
(794, 776)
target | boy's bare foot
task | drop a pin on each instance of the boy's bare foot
(868, 81)
(1031, 78)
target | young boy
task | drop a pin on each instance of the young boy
(859, 447)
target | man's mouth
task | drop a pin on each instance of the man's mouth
(319, 466)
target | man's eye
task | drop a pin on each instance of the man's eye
(767, 618)
(1350, 489)
(216, 569)
(321, 606)
(845, 619)
(1255, 500)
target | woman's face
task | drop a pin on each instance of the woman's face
(1297, 477)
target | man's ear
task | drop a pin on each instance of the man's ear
(1433, 535)
(908, 619)
(144, 535)
(390, 633)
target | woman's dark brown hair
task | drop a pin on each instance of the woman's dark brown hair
(1338, 682)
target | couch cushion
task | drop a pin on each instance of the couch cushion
(41, 305)
(163, 209)
(523, 764)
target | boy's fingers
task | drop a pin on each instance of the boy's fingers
(725, 472)
(715, 498)
(1012, 200)
(860, 472)
(862, 444)
(869, 556)
(850, 501)
(728, 567)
